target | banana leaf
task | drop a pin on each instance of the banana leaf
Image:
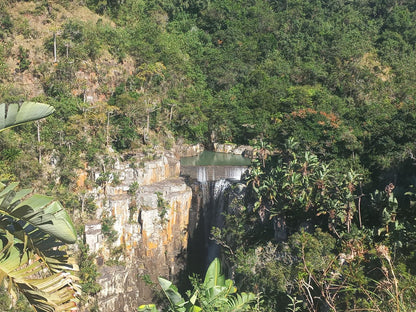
(37, 211)
(14, 114)
(23, 268)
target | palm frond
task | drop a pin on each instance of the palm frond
(22, 267)
(240, 302)
(33, 231)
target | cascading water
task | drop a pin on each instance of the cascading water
(210, 200)
(211, 185)
(202, 174)
(216, 198)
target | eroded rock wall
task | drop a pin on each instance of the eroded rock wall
(151, 227)
(229, 148)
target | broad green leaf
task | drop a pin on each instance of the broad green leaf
(229, 284)
(15, 114)
(147, 308)
(171, 292)
(36, 225)
(194, 308)
(213, 276)
(39, 211)
(194, 297)
(217, 294)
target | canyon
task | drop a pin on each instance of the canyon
(157, 226)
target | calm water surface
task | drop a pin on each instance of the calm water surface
(208, 158)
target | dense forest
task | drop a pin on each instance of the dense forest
(325, 90)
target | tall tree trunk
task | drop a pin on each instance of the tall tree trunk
(107, 130)
(54, 47)
(171, 113)
(148, 122)
(39, 147)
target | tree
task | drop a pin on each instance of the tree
(148, 74)
(33, 232)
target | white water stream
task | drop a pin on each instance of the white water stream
(212, 192)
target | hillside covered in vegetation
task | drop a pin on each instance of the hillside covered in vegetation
(326, 87)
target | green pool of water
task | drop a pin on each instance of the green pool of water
(208, 158)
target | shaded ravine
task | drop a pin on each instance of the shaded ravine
(212, 192)
(208, 203)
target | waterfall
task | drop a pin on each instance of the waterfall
(212, 192)
(212, 177)
(210, 200)
(201, 175)
(235, 172)
(213, 173)
(213, 214)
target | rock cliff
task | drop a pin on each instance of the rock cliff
(229, 148)
(150, 212)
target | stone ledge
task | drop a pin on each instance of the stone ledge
(230, 148)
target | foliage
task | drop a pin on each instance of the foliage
(23, 59)
(133, 188)
(300, 188)
(215, 294)
(88, 271)
(163, 207)
(237, 70)
(7, 306)
(107, 229)
(336, 77)
(342, 251)
(5, 22)
(32, 228)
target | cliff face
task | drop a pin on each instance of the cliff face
(151, 230)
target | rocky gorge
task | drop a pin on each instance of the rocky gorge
(158, 219)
